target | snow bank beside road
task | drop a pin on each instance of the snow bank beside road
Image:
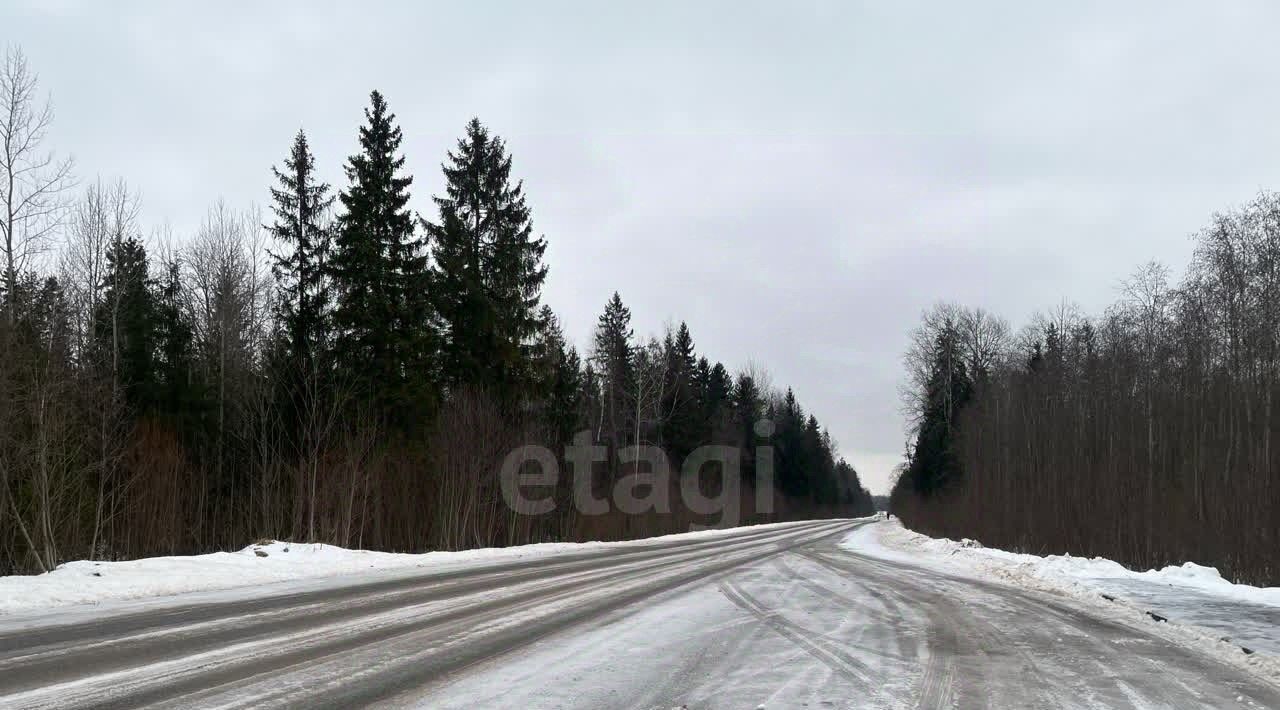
(84, 582)
(891, 539)
(1205, 608)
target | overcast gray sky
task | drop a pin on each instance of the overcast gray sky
(796, 181)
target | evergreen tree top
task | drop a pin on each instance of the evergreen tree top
(378, 193)
(684, 347)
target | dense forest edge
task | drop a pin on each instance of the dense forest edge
(1147, 434)
(338, 368)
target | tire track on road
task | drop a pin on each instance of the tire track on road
(836, 659)
(346, 632)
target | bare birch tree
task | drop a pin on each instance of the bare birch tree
(32, 180)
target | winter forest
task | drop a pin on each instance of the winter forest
(351, 364)
(1148, 434)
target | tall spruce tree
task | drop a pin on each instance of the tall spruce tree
(382, 318)
(612, 353)
(683, 423)
(301, 204)
(819, 464)
(791, 469)
(179, 395)
(125, 323)
(559, 380)
(719, 389)
(934, 464)
(489, 269)
(748, 408)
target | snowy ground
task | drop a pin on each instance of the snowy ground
(825, 614)
(1191, 595)
(265, 568)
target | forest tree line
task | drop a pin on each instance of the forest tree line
(1149, 434)
(337, 368)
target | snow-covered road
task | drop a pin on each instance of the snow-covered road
(773, 617)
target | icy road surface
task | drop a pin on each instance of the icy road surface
(777, 617)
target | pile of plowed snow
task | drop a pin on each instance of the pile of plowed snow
(1236, 622)
(86, 582)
